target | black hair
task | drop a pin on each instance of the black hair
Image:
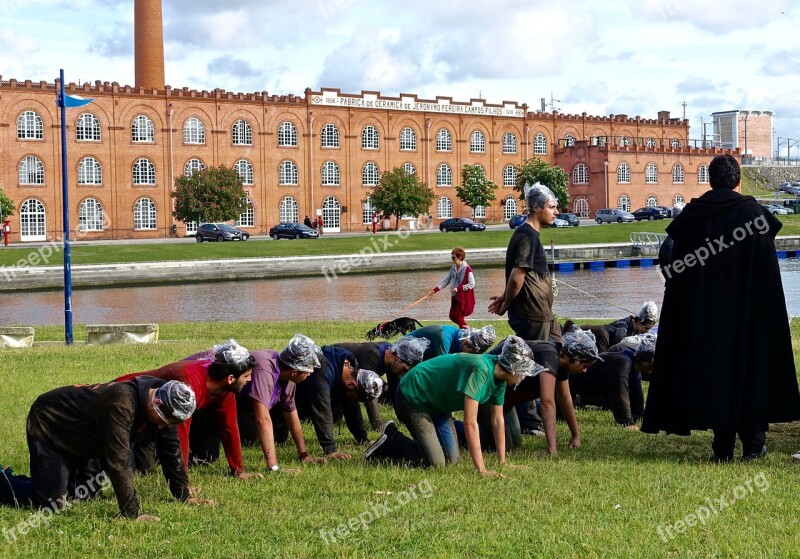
(219, 370)
(724, 172)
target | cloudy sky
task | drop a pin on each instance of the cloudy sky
(632, 57)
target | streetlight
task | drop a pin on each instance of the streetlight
(64, 102)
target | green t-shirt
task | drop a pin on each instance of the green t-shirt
(439, 385)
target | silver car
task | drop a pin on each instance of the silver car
(611, 215)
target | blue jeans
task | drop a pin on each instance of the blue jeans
(434, 434)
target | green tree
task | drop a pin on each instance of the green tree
(398, 194)
(6, 206)
(475, 189)
(552, 176)
(215, 194)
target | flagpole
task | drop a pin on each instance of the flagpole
(65, 209)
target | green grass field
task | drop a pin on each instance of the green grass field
(102, 254)
(605, 499)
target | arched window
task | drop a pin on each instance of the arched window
(444, 176)
(651, 143)
(31, 170)
(509, 176)
(580, 206)
(87, 128)
(330, 174)
(477, 142)
(444, 142)
(32, 221)
(193, 131)
(702, 174)
(651, 202)
(331, 214)
(580, 174)
(479, 212)
(539, 144)
(29, 126)
(409, 169)
(408, 139)
(366, 211)
(509, 143)
(509, 207)
(624, 203)
(329, 136)
(444, 208)
(142, 130)
(623, 173)
(193, 165)
(624, 141)
(288, 211)
(677, 174)
(89, 171)
(242, 133)
(569, 141)
(675, 143)
(90, 215)
(678, 200)
(288, 173)
(248, 217)
(370, 174)
(245, 170)
(287, 135)
(144, 172)
(369, 138)
(651, 173)
(144, 214)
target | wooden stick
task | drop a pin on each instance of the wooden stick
(414, 304)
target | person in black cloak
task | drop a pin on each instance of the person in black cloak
(723, 357)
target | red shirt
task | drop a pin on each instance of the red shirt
(223, 408)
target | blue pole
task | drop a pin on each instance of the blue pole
(65, 207)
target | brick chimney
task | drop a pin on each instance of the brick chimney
(148, 40)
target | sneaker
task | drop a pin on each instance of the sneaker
(534, 432)
(388, 429)
(755, 455)
(796, 456)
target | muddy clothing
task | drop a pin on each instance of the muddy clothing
(619, 329)
(534, 302)
(612, 384)
(222, 406)
(69, 426)
(370, 356)
(546, 355)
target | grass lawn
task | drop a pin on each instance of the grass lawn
(101, 254)
(606, 499)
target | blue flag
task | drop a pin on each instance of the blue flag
(74, 101)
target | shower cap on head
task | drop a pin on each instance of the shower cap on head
(301, 353)
(580, 344)
(231, 353)
(537, 195)
(648, 312)
(369, 383)
(410, 350)
(176, 402)
(517, 358)
(480, 339)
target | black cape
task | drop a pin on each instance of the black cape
(723, 357)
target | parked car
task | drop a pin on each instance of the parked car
(293, 231)
(784, 186)
(220, 232)
(460, 224)
(558, 222)
(657, 212)
(517, 220)
(610, 215)
(572, 219)
(775, 209)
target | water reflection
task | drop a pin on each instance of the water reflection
(357, 297)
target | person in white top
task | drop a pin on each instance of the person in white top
(461, 283)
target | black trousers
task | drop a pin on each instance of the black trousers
(752, 442)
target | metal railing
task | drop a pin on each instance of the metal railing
(653, 240)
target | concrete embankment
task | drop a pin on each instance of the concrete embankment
(23, 277)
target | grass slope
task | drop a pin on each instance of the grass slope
(606, 499)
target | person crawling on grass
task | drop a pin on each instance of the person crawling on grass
(389, 360)
(430, 392)
(81, 435)
(608, 335)
(261, 419)
(615, 382)
(215, 382)
(333, 390)
(578, 352)
(449, 339)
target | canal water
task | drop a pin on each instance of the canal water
(375, 297)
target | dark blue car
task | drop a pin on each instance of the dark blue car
(517, 220)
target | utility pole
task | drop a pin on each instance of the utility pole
(746, 159)
(684, 109)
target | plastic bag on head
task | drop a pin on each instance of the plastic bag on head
(517, 358)
(537, 195)
(480, 339)
(647, 347)
(410, 350)
(177, 401)
(301, 353)
(369, 383)
(230, 353)
(648, 312)
(580, 344)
